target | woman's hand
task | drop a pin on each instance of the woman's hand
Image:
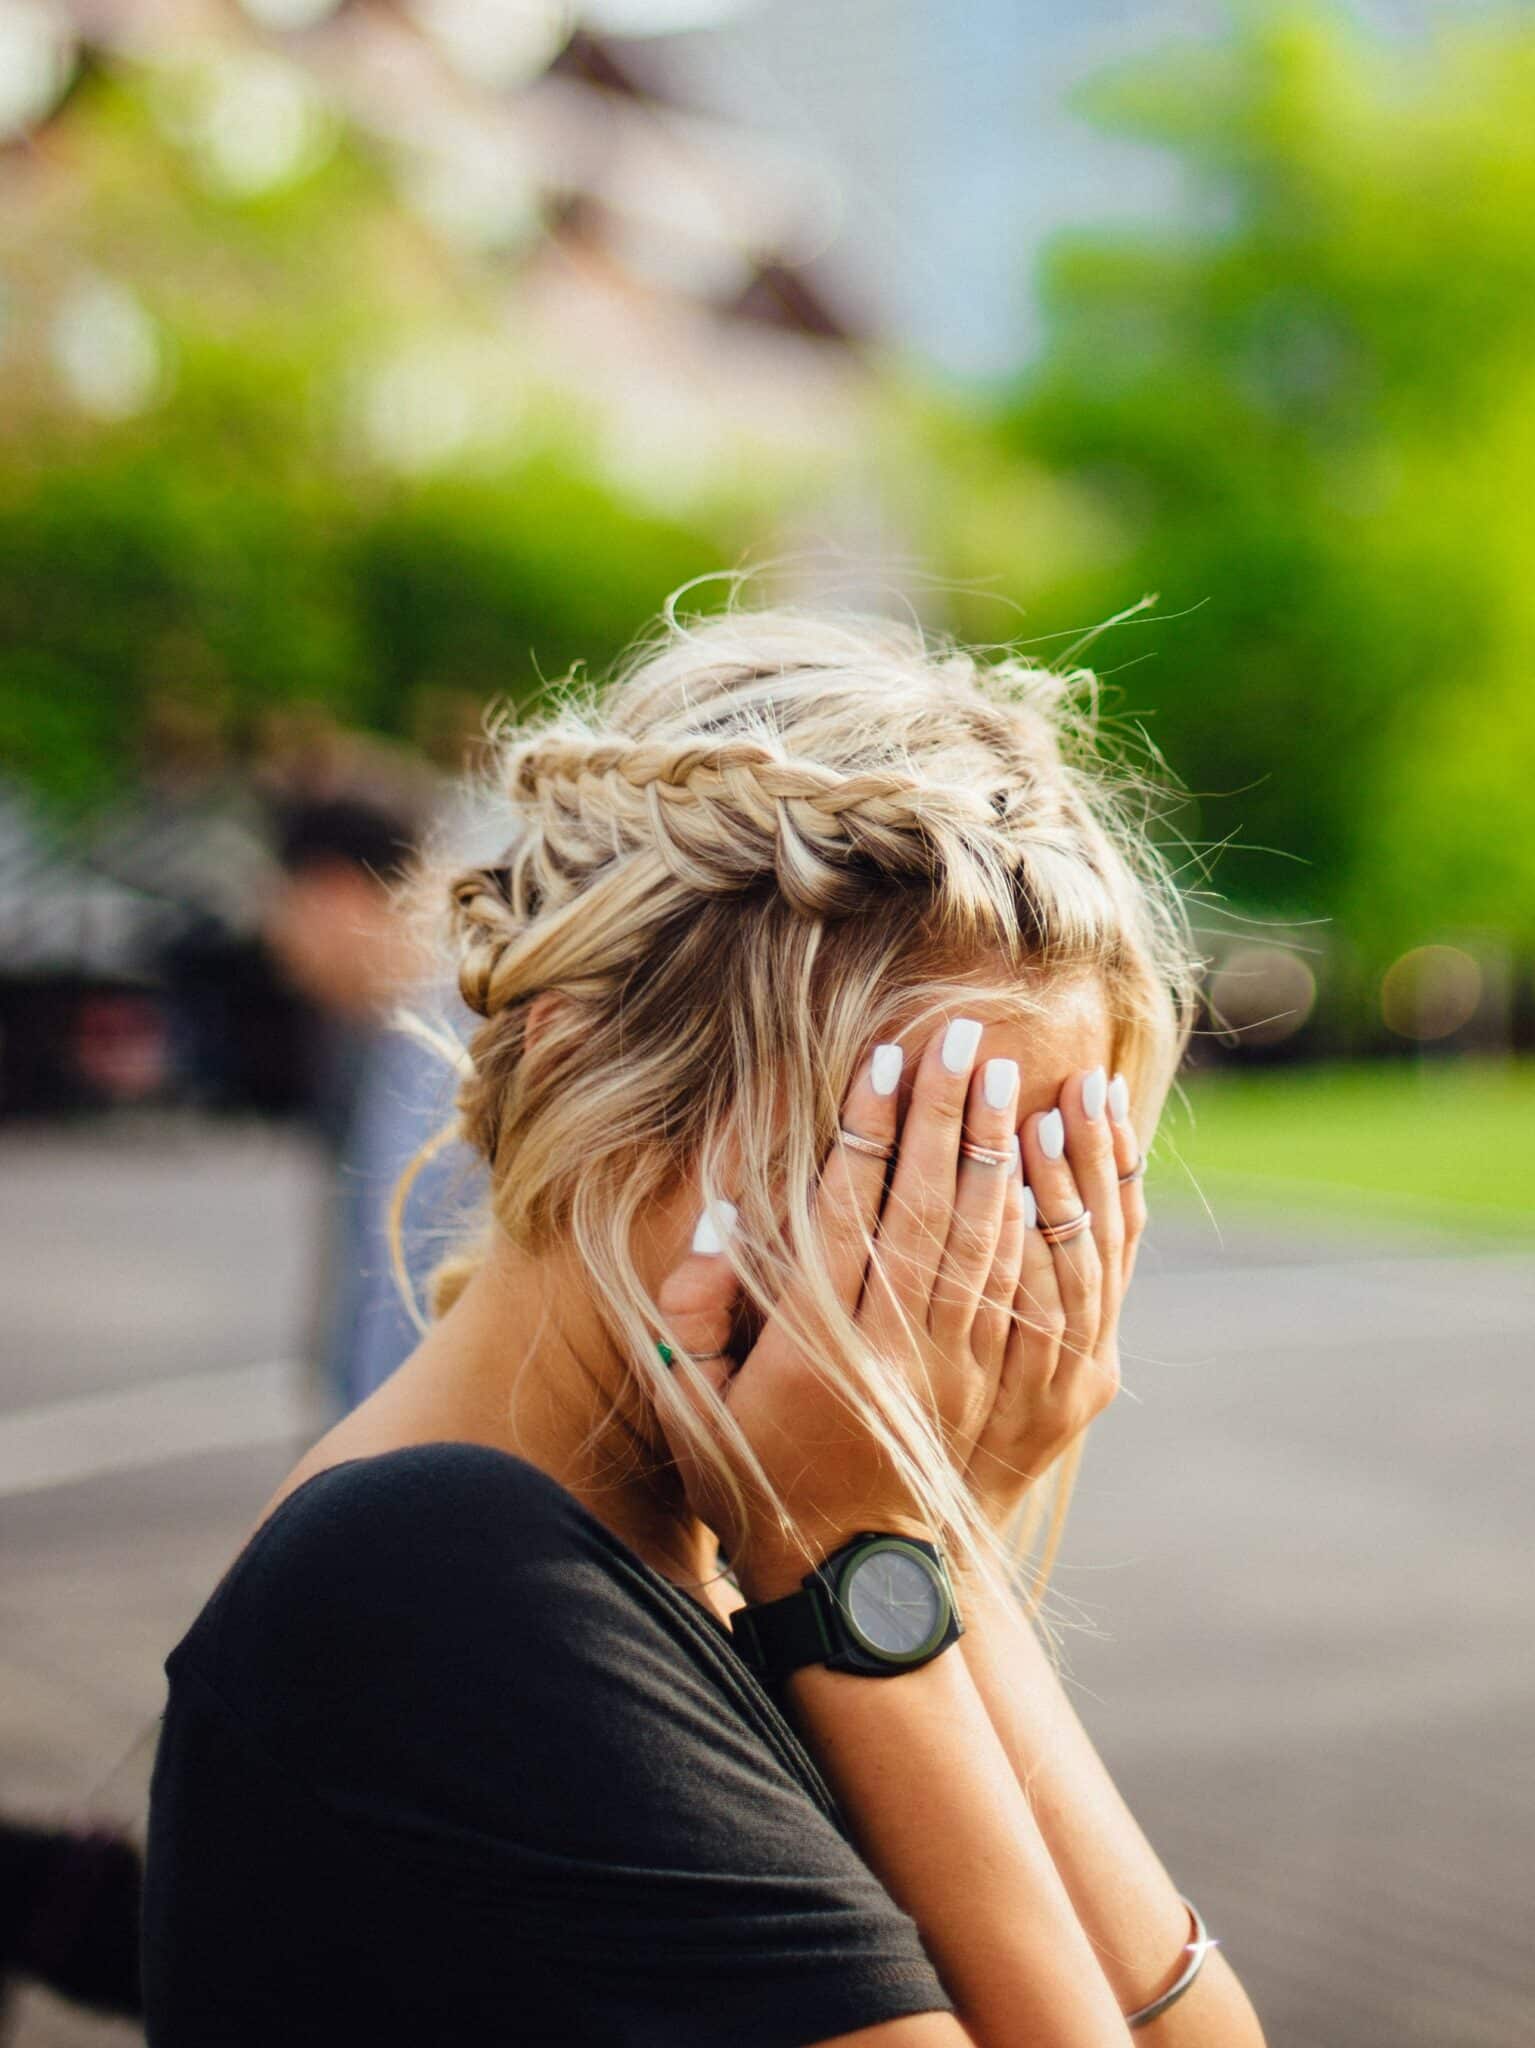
(1062, 1363)
(928, 1269)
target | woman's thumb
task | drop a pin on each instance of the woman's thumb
(697, 1299)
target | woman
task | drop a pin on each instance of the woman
(803, 980)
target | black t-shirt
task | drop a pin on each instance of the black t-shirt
(445, 1762)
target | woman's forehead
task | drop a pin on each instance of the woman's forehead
(1061, 1028)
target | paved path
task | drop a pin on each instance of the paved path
(1301, 1546)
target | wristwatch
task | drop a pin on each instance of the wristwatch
(878, 1605)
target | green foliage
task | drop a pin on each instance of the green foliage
(1353, 1140)
(1305, 418)
(237, 542)
(147, 570)
(487, 585)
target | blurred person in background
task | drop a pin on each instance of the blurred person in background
(334, 926)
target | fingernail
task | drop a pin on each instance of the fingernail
(1030, 1209)
(1095, 1092)
(1052, 1135)
(959, 1044)
(1119, 1099)
(885, 1069)
(999, 1083)
(714, 1226)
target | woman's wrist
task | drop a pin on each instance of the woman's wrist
(770, 1573)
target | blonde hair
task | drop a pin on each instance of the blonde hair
(776, 836)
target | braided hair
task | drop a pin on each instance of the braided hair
(771, 834)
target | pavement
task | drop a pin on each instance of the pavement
(1297, 1581)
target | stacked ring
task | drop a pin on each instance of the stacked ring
(669, 1357)
(856, 1142)
(983, 1155)
(1135, 1173)
(1063, 1233)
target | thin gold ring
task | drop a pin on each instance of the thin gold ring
(1135, 1172)
(871, 1147)
(1063, 1233)
(985, 1155)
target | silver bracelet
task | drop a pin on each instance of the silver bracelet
(1200, 1947)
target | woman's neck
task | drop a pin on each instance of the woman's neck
(523, 1363)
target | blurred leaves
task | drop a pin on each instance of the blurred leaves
(1305, 417)
(1304, 414)
(249, 536)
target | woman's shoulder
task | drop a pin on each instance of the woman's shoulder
(446, 1632)
(381, 1569)
(421, 1510)
(423, 1483)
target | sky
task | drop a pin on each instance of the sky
(952, 143)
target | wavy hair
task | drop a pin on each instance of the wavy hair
(776, 835)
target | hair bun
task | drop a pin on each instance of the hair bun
(484, 927)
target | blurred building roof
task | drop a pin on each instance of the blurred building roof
(649, 257)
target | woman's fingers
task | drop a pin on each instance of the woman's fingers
(1019, 1439)
(914, 1227)
(1084, 1104)
(980, 1204)
(696, 1301)
(993, 1326)
(1127, 1162)
(1040, 1318)
(698, 1298)
(1077, 1269)
(847, 1201)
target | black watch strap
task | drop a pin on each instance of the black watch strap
(780, 1635)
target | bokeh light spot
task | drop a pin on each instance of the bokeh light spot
(1430, 992)
(37, 61)
(107, 350)
(290, 15)
(1262, 995)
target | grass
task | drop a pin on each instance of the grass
(1447, 1143)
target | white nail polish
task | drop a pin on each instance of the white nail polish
(1119, 1099)
(959, 1044)
(885, 1069)
(1095, 1092)
(999, 1083)
(1030, 1209)
(1052, 1135)
(714, 1226)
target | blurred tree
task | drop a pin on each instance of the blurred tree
(266, 442)
(1306, 419)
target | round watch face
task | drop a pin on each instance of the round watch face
(895, 1600)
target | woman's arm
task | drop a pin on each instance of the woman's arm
(938, 1813)
(1120, 1893)
(1065, 1359)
